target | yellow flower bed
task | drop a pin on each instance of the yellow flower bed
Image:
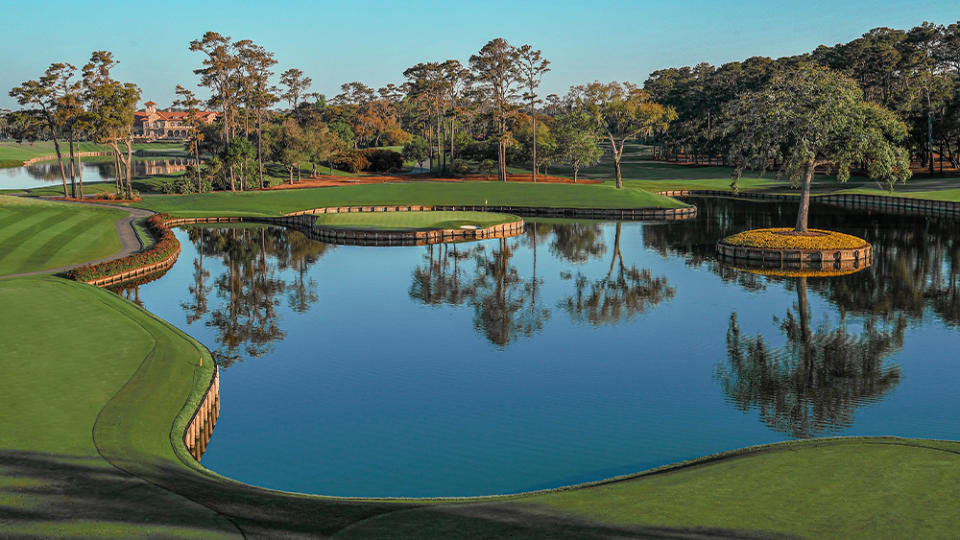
(770, 239)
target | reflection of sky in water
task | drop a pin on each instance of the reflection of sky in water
(371, 392)
(94, 170)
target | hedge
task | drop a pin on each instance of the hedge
(166, 245)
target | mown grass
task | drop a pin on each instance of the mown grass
(273, 203)
(414, 220)
(37, 235)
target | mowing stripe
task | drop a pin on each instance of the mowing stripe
(9, 217)
(25, 221)
(56, 244)
(88, 242)
(26, 229)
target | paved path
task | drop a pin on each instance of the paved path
(129, 240)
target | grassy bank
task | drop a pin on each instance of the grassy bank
(273, 203)
(414, 220)
(37, 235)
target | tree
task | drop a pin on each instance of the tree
(531, 68)
(256, 63)
(296, 86)
(111, 107)
(922, 62)
(44, 94)
(809, 117)
(221, 75)
(288, 146)
(494, 68)
(622, 112)
(417, 150)
(576, 137)
(189, 102)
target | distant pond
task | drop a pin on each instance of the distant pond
(98, 169)
(579, 351)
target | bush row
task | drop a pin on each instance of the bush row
(165, 246)
(369, 159)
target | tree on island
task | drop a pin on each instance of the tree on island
(807, 117)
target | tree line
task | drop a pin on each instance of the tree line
(887, 97)
(480, 117)
(913, 73)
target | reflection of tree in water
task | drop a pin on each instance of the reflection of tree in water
(248, 319)
(916, 260)
(618, 296)
(500, 296)
(441, 280)
(577, 242)
(508, 306)
(814, 383)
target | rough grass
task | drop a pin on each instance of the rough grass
(37, 235)
(134, 478)
(414, 220)
(273, 203)
(773, 238)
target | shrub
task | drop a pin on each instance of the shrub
(382, 160)
(166, 244)
(351, 161)
(185, 184)
(488, 166)
(461, 166)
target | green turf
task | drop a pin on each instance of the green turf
(38, 235)
(934, 195)
(272, 203)
(414, 220)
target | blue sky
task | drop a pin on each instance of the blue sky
(374, 41)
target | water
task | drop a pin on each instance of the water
(99, 169)
(452, 370)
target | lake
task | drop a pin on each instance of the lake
(576, 352)
(98, 169)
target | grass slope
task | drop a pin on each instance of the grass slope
(134, 478)
(414, 220)
(37, 235)
(273, 203)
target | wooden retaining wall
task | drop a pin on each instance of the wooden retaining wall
(820, 259)
(626, 214)
(306, 223)
(199, 429)
(66, 156)
(890, 204)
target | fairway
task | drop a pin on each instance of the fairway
(40, 235)
(274, 203)
(414, 220)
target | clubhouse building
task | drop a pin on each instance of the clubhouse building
(155, 125)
